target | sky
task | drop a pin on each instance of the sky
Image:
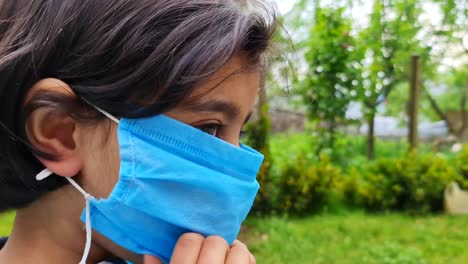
(284, 5)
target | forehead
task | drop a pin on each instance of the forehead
(237, 81)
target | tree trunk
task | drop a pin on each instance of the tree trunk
(371, 136)
(331, 133)
(414, 104)
(439, 112)
(464, 112)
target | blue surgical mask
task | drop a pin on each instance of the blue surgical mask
(173, 179)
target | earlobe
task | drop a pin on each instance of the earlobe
(68, 167)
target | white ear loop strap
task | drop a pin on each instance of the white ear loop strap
(46, 173)
(111, 117)
(87, 196)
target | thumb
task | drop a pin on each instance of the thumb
(148, 259)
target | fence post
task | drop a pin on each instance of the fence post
(414, 103)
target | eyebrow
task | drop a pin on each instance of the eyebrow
(229, 109)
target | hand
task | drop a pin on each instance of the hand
(192, 248)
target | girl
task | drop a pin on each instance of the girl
(119, 128)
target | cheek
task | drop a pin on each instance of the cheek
(102, 163)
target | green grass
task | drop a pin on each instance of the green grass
(6, 222)
(359, 238)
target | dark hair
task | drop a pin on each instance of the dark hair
(132, 58)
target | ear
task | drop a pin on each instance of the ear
(53, 132)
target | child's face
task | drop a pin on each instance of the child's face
(221, 111)
(219, 107)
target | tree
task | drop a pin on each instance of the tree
(332, 78)
(449, 32)
(455, 98)
(387, 43)
(441, 39)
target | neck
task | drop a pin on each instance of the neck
(50, 231)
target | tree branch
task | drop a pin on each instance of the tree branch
(439, 111)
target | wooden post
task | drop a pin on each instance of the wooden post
(414, 103)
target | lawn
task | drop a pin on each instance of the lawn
(359, 238)
(351, 238)
(6, 222)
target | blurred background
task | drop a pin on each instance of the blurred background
(363, 123)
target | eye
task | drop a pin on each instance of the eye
(211, 129)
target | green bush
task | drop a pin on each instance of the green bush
(461, 163)
(348, 186)
(258, 138)
(413, 183)
(264, 201)
(298, 181)
(304, 188)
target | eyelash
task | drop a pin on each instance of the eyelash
(217, 127)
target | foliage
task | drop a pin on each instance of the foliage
(450, 89)
(348, 151)
(330, 83)
(378, 58)
(397, 181)
(258, 138)
(461, 163)
(388, 43)
(412, 183)
(305, 188)
(348, 187)
(443, 37)
(450, 30)
(357, 238)
(285, 147)
(456, 82)
(396, 105)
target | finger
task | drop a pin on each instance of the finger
(148, 259)
(187, 248)
(238, 243)
(213, 251)
(239, 254)
(252, 259)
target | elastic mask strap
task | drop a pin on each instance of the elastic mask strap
(46, 173)
(111, 117)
